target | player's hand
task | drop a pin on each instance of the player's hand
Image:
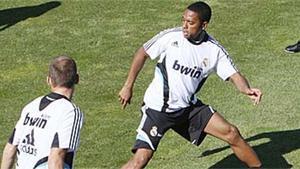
(255, 95)
(125, 96)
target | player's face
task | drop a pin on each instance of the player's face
(191, 24)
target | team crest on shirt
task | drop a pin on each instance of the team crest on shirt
(205, 62)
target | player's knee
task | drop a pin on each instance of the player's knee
(139, 163)
(140, 160)
(233, 135)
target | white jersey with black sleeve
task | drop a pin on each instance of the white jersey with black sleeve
(182, 68)
(46, 122)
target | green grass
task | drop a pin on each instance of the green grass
(102, 35)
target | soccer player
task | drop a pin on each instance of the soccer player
(47, 133)
(186, 55)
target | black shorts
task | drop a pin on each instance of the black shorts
(188, 122)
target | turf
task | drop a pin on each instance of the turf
(103, 35)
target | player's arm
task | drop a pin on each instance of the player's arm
(137, 64)
(8, 158)
(56, 158)
(243, 86)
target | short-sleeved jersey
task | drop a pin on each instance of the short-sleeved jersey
(46, 122)
(182, 68)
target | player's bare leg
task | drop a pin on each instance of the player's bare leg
(220, 128)
(139, 160)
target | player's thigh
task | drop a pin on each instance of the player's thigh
(143, 154)
(219, 127)
(193, 122)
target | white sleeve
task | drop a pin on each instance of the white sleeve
(156, 45)
(225, 66)
(69, 130)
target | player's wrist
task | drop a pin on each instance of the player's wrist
(128, 86)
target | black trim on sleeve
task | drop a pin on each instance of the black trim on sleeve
(11, 138)
(55, 142)
(75, 129)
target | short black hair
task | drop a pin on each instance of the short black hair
(203, 10)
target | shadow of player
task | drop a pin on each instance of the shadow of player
(270, 153)
(10, 17)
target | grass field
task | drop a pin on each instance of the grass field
(102, 35)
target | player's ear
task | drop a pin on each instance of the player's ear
(77, 79)
(49, 81)
(204, 25)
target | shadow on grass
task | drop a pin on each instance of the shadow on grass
(10, 17)
(270, 153)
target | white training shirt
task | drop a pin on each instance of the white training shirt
(46, 122)
(182, 69)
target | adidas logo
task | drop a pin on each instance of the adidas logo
(175, 44)
(29, 138)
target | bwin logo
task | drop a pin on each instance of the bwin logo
(35, 121)
(193, 72)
